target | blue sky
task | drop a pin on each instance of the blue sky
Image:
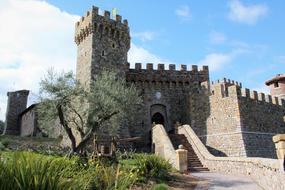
(246, 37)
(239, 39)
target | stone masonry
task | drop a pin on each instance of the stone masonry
(241, 122)
(17, 103)
(277, 86)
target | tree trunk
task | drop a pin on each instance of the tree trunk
(88, 135)
(66, 128)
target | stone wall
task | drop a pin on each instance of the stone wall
(165, 92)
(29, 122)
(266, 172)
(222, 133)
(162, 144)
(262, 117)
(277, 86)
(241, 122)
(17, 103)
(102, 43)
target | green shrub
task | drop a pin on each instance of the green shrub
(146, 166)
(160, 187)
(25, 170)
(2, 147)
(5, 142)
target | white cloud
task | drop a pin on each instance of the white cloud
(34, 37)
(246, 14)
(183, 12)
(140, 55)
(217, 37)
(216, 61)
(144, 36)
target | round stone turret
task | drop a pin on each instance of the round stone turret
(277, 86)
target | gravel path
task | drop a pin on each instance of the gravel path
(222, 181)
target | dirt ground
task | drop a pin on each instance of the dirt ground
(179, 182)
(187, 182)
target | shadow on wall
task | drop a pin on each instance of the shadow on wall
(216, 152)
(261, 120)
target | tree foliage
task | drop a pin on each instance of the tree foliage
(82, 110)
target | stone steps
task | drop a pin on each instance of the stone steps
(193, 160)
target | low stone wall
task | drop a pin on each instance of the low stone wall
(266, 172)
(162, 144)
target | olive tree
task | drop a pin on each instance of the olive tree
(102, 106)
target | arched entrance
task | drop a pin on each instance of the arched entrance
(158, 115)
(157, 118)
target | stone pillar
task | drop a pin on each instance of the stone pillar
(181, 159)
(279, 141)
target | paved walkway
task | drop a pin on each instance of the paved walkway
(222, 181)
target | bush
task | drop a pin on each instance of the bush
(2, 147)
(25, 170)
(5, 142)
(152, 166)
(160, 187)
(146, 166)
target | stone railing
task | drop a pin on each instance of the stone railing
(162, 145)
(266, 172)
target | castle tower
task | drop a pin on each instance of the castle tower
(101, 43)
(277, 86)
(17, 103)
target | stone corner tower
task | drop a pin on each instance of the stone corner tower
(17, 103)
(102, 43)
(277, 86)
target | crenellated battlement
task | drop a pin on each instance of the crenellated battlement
(171, 67)
(234, 89)
(160, 74)
(254, 95)
(92, 22)
(227, 82)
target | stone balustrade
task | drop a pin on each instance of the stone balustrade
(266, 172)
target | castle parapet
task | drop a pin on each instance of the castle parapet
(92, 22)
(229, 88)
(161, 74)
(261, 97)
(226, 82)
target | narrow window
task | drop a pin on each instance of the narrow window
(103, 53)
(276, 85)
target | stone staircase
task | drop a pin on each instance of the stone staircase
(194, 163)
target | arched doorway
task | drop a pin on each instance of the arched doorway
(158, 115)
(157, 118)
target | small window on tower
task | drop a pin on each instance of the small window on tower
(113, 45)
(103, 53)
(276, 85)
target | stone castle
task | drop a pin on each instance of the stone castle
(229, 120)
